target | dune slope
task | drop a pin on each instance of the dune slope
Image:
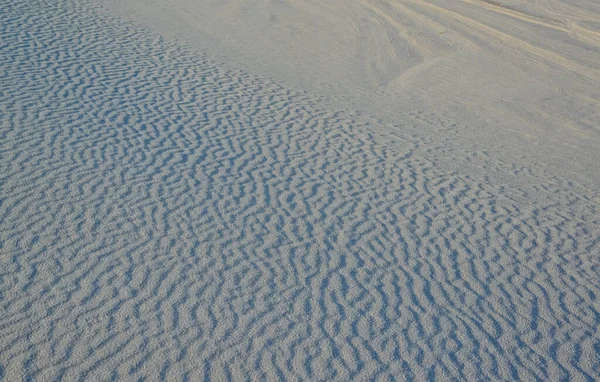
(523, 75)
(166, 215)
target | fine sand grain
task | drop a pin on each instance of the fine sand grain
(184, 200)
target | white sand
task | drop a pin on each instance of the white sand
(301, 190)
(524, 75)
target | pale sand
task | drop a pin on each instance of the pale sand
(523, 75)
(299, 190)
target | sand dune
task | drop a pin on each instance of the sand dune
(509, 72)
(167, 214)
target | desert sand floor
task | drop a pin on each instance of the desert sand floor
(189, 193)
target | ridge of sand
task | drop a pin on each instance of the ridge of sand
(522, 75)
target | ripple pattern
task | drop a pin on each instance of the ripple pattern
(165, 217)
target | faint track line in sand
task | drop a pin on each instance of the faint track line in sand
(521, 45)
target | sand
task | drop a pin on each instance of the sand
(302, 190)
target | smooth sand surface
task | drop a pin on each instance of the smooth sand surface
(520, 77)
(299, 190)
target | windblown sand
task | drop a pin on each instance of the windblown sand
(299, 190)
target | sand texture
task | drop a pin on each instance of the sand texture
(170, 213)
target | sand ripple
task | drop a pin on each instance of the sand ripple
(163, 217)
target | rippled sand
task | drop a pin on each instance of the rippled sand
(170, 213)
